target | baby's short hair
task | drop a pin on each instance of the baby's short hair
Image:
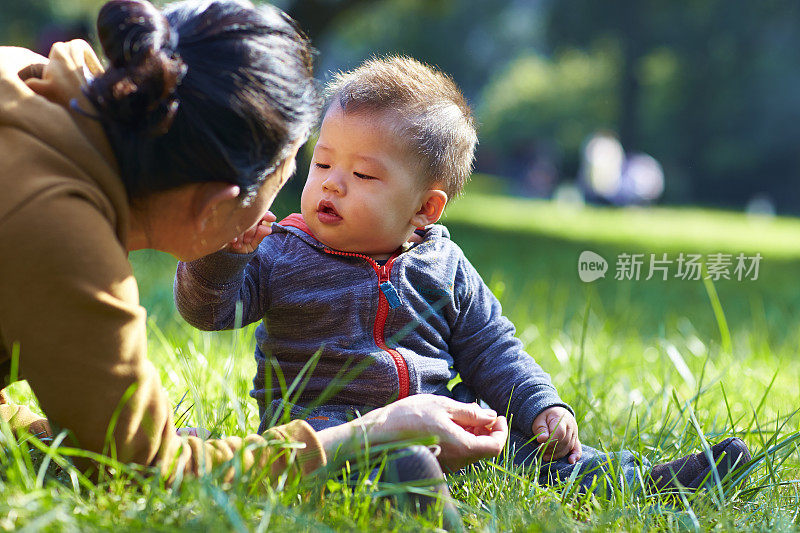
(434, 117)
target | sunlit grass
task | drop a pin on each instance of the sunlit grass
(647, 366)
(684, 229)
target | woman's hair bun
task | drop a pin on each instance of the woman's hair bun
(247, 99)
(139, 87)
(129, 30)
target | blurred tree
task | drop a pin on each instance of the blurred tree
(468, 40)
(710, 87)
(31, 23)
(19, 22)
(536, 102)
(583, 23)
(316, 16)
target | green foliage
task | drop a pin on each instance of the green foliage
(716, 112)
(21, 23)
(468, 40)
(563, 100)
(709, 87)
(643, 363)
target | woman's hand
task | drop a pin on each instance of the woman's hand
(466, 432)
(249, 240)
(201, 433)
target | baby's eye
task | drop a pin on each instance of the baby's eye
(322, 165)
(364, 176)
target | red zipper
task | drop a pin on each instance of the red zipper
(383, 272)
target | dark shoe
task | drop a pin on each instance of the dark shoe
(418, 467)
(694, 471)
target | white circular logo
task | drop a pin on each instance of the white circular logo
(591, 266)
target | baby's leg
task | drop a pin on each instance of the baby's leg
(695, 471)
(319, 418)
(595, 470)
(606, 470)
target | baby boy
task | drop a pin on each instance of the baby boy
(366, 279)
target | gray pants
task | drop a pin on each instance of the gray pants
(322, 417)
(595, 470)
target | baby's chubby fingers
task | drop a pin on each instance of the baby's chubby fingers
(555, 430)
(558, 428)
(268, 218)
(260, 230)
(575, 452)
(257, 233)
(263, 229)
(570, 446)
(247, 236)
(540, 429)
(249, 240)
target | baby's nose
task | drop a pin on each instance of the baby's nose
(334, 183)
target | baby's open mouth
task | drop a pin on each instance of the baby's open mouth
(326, 208)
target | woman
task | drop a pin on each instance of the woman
(180, 145)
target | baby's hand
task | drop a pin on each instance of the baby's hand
(250, 239)
(557, 432)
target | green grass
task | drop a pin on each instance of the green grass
(647, 365)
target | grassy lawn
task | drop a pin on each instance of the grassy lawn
(654, 366)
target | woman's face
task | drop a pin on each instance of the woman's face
(230, 218)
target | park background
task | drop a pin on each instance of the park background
(710, 91)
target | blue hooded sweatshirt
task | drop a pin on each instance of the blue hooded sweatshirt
(405, 327)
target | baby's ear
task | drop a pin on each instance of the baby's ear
(433, 203)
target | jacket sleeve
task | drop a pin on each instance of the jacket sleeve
(490, 359)
(69, 301)
(225, 290)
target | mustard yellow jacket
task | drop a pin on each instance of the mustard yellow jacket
(68, 300)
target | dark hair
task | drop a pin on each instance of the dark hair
(427, 109)
(214, 90)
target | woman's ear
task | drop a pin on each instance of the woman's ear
(433, 203)
(209, 199)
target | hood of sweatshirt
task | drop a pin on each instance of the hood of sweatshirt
(48, 145)
(296, 225)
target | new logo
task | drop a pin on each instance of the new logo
(591, 266)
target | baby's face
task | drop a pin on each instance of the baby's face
(362, 190)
